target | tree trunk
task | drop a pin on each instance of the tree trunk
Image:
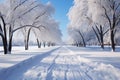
(5, 45)
(44, 44)
(10, 45)
(84, 44)
(26, 47)
(4, 37)
(38, 43)
(101, 37)
(27, 40)
(112, 40)
(48, 44)
(10, 40)
(102, 42)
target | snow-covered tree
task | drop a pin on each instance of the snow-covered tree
(11, 12)
(79, 22)
(103, 16)
(107, 12)
(52, 33)
(33, 18)
(25, 15)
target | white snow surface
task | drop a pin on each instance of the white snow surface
(60, 63)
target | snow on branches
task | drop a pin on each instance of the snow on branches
(27, 16)
(96, 19)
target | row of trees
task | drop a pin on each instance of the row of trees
(29, 17)
(95, 22)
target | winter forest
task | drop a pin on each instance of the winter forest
(59, 40)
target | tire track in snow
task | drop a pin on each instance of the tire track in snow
(52, 67)
(27, 65)
(49, 71)
(44, 68)
(80, 74)
(62, 67)
(65, 65)
(61, 64)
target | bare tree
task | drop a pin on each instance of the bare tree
(113, 18)
(99, 32)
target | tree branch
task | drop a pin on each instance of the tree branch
(28, 11)
(19, 5)
(97, 29)
(28, 26)
(106, 32)
(117, 7)
(40, 15)
(23, 27)
(107, 16)
(96, 34)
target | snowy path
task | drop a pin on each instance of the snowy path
(63, 64)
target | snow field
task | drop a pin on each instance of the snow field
(19, 54)
(96, 54)
(22, 60)
(63, 63)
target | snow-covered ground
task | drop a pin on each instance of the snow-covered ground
(61, 63)
(97, 54)
(19, 54)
